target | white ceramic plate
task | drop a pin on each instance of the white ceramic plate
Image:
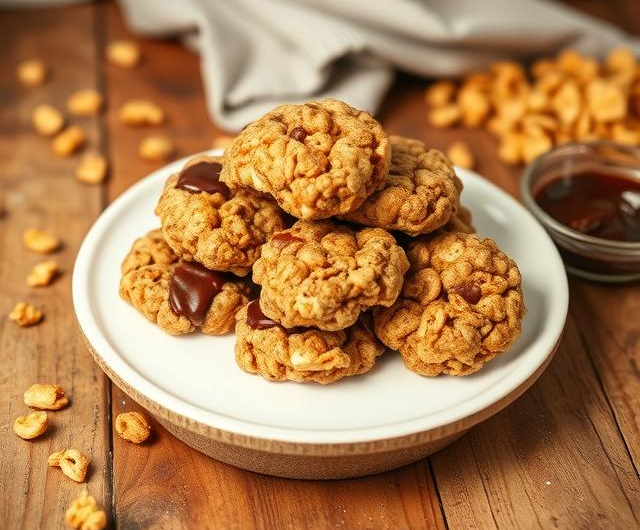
(196, 376)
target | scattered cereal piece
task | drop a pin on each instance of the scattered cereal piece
(133, 426)
(72, 463)
(535, 145)
(606, 101)
(141, 112)
(42, 274)
(31, 426)
(474, 105)
(620, 59)
(40, 240)
(25, 315)
(45, 396)
(32, 72)
(439, 94)
(123, 53)
(85, 514)
(86, 102)
(626, 133)
(222, 142)
(460, 155)
(69, 141)
(92, 169)
(445, 116)
(47, 120)
(156, 148)
(510, 150)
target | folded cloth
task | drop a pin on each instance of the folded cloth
(260, 53)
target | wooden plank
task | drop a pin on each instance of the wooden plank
(39, 190)
(169, 485)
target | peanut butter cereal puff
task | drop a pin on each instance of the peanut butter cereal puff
(302, 354)
(204, 221)
(179, 296)
(320, 274)
(461, 305)
(420, 193)
(318, 159)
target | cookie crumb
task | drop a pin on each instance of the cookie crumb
(32, 72)
(69, 141)
(71, 462)
(460, 155)
(31, 426)
(141, 112)
(156, 148)
(45, 396)
(47, 120)
(40, 240)
(42, 274)
(123, 53)
(133, 427)
(25, 315)
(86, 102)
(92, 169)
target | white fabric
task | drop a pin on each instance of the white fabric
(260, 53)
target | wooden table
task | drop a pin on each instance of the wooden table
(565, 455)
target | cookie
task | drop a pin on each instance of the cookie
(303, 354)
(320, 274)
(176, 295)
(204, 221)
(318, 159)
(461, 305)
(420, 193)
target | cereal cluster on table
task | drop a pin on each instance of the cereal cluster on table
(320, 240)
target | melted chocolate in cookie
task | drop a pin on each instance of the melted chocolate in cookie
(192, 290)
(256, 319)
(299, 134)
(203, 177)
(469, 291)
(282, 239)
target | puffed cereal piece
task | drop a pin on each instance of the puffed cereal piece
(40, 240)
(439, 94)
(156, 148)
(620, 59)
(533, 145)
(87, 102)
(141, 112)
(626, 132)
(606, 101)
(460, 155)
(31, 426)
(45, 396)
(510, 149)
(474, 106)
(446, 116)
(92, 169)
(85, 514)
(47, 120)
(25, 315)
(69, 141)
(567, 102)
(71, 462)
(133, 427)
(32, 72)
(42, 274)
(123, 53)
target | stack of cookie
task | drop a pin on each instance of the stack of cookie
(355, 241)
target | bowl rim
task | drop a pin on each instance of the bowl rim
(556, 226)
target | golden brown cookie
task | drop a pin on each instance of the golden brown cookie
(318, 159)
(204, 221)
(176, 295)
(420, 193)
(320, 274)
(303, 354)
(461, 305)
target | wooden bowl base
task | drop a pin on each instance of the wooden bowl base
(301, 466)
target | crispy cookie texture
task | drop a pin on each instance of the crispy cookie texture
(305, 354)
(145, 283)
(318, 159)
(420, 193)
(222, 230)
(320, 274)
(461, 305)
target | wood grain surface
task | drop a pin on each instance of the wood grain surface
(565, 455)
